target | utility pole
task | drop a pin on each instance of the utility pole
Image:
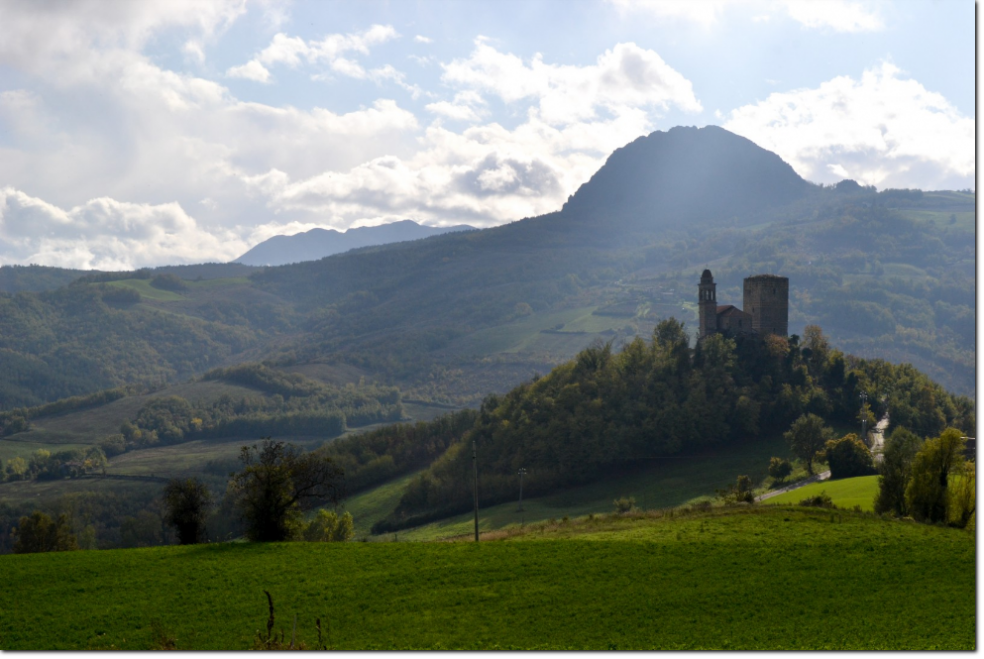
(522, 472)
(475, 466)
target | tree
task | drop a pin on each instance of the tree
(963, 499)
(847, 457)
(186, 505)
(39, 533)
(896, 471)
(327, 526)
(928, 495)
(806, 436)
(779, 469)
(277, 480)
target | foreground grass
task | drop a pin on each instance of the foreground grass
(753, 579)
(845, 493)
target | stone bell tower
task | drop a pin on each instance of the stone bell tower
(707, 304)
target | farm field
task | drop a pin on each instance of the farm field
(845, 493)
(740, 579)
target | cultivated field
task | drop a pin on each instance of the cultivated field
(739, 579)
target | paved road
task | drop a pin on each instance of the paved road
(822, 476)
(877, 445)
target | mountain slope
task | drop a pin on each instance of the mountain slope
(319, 243)
(688, 174)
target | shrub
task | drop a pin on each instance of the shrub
(847, 457)
(821, 500)
(739, 492)
(327, 526)
(624, 504)
(779, 469)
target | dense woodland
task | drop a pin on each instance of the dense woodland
(606, 410)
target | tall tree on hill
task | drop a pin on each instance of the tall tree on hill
(276, 481)
(896, 471)
(806, 436)
(187, 503)
(939, 459)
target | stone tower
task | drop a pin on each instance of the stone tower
(767, 299)
(707, 304)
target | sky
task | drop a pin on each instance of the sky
(138, 134)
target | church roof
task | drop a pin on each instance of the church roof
(729, 310)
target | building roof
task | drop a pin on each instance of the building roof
(730, 310)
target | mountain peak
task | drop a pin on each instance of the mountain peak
(685, 174)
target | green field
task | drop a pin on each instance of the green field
(737, 579)
(845, 493)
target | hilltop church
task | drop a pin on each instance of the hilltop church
(766, 302)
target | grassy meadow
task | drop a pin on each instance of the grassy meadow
(845, 493)
(739, 579)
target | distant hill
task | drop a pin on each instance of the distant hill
(687, 174)
(319, 243)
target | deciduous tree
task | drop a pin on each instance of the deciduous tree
(186, 505)
(806, 436)
(928, 495)
(896, 471)
(276, 481)
(39, 533)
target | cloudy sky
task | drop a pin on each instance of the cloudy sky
(145, 133)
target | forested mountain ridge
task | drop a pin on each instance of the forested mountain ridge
(319, 243)
(454, 317)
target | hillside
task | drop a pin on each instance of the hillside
(779, 578)
(319, 243)
(452, 318)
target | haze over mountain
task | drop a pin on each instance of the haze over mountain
(319, 243)
(686, 174)
(457, 316)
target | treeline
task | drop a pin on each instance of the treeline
(294, 405)
(602, 411)
(45, 465)
(371, 458)
(18, 419)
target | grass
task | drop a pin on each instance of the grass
(143, 287)
(845, 493)
(736, 579)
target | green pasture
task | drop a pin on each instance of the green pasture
(143, 287)
(734, 579)
(965, 220)
(845, 493)
(524, 334)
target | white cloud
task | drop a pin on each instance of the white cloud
(884, 130)
(624, 77)
(422, 39)
(294, 51)
(106, 234)
(453, 111)
(69, 42)
(251, 70)
(836, 15)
